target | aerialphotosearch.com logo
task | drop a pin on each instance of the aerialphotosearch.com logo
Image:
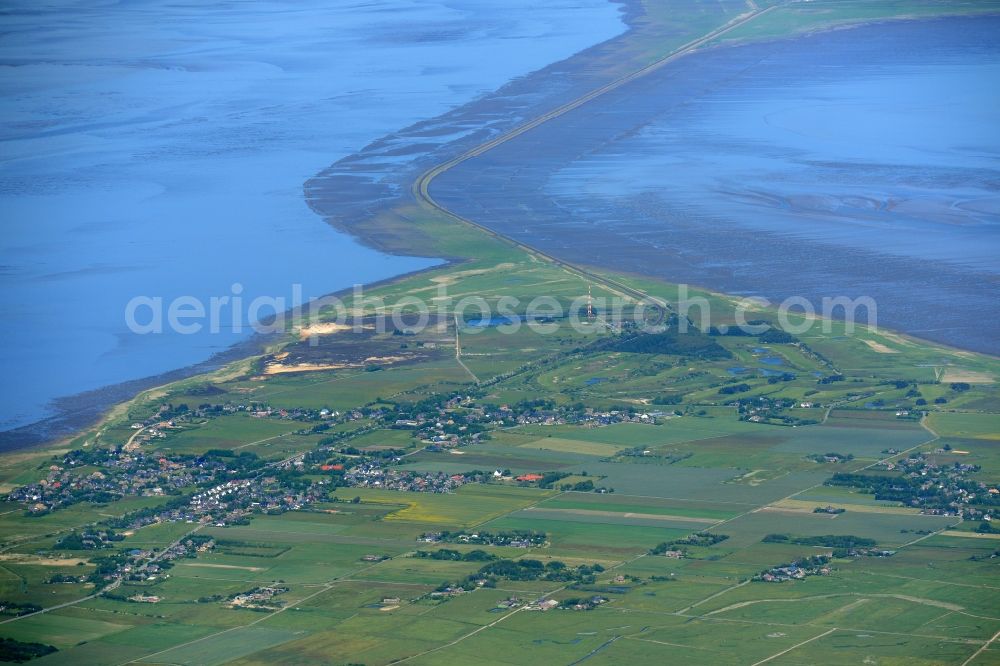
(189, 315)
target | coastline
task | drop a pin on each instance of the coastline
(88, 409)
(70, 412)
(380, 230)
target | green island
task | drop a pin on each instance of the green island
(460, 493)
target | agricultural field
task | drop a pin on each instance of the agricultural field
(653, 482)
(396, 514)
(355, 581)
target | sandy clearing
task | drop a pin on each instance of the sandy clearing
(328, 328)
(880, 348)
(385, 359)
(451, 278)
(895, 337)
(322, 329)
(279, 369)
(454, 277)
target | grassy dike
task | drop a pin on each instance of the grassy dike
(797, 18)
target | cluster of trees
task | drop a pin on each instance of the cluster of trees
(503, 538)
(783, 377)
(777, 336)
(380, 453)
(17, 609)
(527, 570)
(833, 455)
(771, 335)
(679, 344)
(88, 540)
(457, 556)
(580, 486)
(19, 652)
(843, 545)
(554, 571)
(108, 566)
(828, 540)
(550, 478)
(521, 569)
(700, 539)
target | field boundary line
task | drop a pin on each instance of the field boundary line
(804, 490)
(325, 587)
(797, 645)
(458, 354)
(981, 649)
(709, 618)
(651, 640)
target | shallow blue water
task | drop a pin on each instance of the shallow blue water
(157, 148)
(894, 151)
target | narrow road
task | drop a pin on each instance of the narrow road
(797, 645)
(129, 446)
(981, 650)
(458, 353)
(107, 588)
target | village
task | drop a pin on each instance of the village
(937, 489)
(817, 565)
(135, 468)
